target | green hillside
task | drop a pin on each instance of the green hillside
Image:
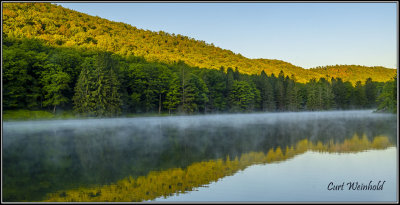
(67, 28)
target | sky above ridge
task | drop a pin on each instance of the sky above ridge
(304, 34)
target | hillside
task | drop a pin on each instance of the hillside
(348, 72)
(63, 27)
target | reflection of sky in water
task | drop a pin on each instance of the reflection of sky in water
(305, 178)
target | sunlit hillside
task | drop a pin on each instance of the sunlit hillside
(64, 27)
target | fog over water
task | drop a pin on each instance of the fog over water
(152, 127)
(183, 122)
(41, 157)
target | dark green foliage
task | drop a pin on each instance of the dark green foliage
(102, 84)
(294, 97)
(320, 95)
(326, 95)
(388, 98)
(341, 94)
(370, 93)
(173, 97)
(54, 81)
(198, 89)
(312, 96)
(360, 99)
(215, 81)
(242, 96)
(148, 86)
(280, 92)
(23, 62)
(96, 92)
(83, 100)
(69, 61)
(267, 101)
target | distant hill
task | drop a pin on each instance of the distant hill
(64, 27)
(354, 73)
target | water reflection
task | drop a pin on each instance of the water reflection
(144, 158)
(178, 180)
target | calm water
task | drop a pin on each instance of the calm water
(240, 157)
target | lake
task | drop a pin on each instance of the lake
(267, 157)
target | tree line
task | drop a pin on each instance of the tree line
(99, 83)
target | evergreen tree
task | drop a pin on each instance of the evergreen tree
(388, 98)
(84, 102)
(340, 93)
(162, 85)
(96, 92)
(200, 92)
(293, 96)
(269, 94)
(229, 85)
(312, 96)
(370, 93)
(241, 96)
(173, 98)
(137, 86)
(327, 96)
(255, 101)
(113, 102)
(187, 95)
(215, 81)
(267, 102)
(350, 97)
(189, 105)
(360, 99)
(280, 92)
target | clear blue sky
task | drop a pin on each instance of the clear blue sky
(304, 34)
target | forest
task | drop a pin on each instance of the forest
(94, 83)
